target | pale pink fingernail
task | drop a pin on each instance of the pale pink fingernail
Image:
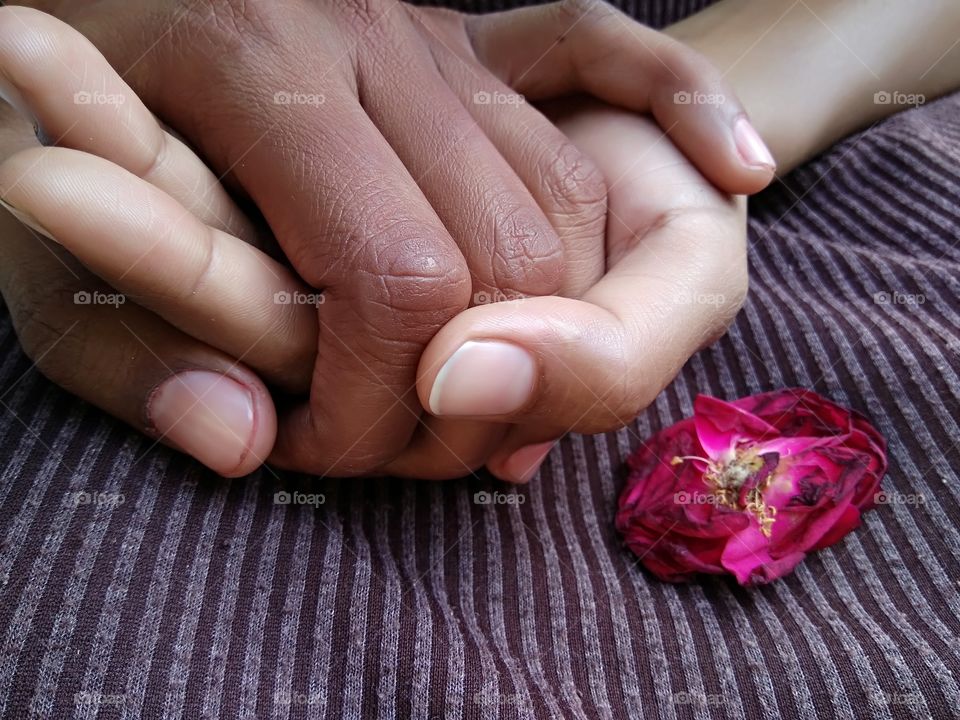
(753, 151)
(208, 415)
(525, 462)
(487, 377)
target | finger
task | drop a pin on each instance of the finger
(392, 277)
(588, 46)
(560, 178)
(509, 244)
(447, 449)
(390, 272)
(556, 364)
(146, 245)
(129, 362)
(345, 210)
(519, 458)
(589, 365)
(61, 82)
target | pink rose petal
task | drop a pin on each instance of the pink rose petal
(749, 487)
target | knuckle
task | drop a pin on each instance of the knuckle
(575, 188)
(717, 273)
(424, 279)
(527, 257)
(364, 14)
(231, 24)
(187, 287)
(410, 289)
(241, 15)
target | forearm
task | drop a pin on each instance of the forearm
(809, 73)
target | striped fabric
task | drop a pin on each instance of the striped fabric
(133, 584)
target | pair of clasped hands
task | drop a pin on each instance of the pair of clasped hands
(417, 243)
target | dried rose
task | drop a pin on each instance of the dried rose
(749, 487)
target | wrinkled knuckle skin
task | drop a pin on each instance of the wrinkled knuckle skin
(527, 256)
(576, 188)
(424, 280)
(230, 24)
(411, 289)
(364, 15)
(242, 15)
(636, 396)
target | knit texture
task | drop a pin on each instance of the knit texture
(164, 591)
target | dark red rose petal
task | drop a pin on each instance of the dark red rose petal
(799, 469)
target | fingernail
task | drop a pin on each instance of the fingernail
(753, 151)
(525, 462)
(208, 415)
(27, 219)
(485, 377)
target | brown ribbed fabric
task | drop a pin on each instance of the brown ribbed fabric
(197, 597)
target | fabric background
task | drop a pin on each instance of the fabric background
(200, 598)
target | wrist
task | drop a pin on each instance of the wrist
(811, 73)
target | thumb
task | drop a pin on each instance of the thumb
(553, 364)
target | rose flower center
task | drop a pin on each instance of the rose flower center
(726, 480)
